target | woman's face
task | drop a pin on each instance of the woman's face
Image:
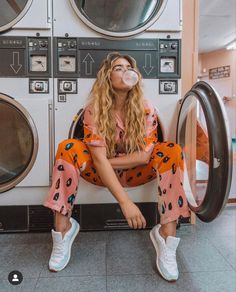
(119, 66)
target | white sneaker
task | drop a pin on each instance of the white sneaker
(61, 250)
(166, 254)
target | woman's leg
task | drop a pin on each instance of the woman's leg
(72, 156)
(167, 159)
(166, 163)
(73, 160)
(61, 223)
(168, 229)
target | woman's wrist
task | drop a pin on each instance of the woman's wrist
(125, 198)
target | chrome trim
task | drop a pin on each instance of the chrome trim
(74, 123)
(119, 34)
(49, 11)
(51, 137)
(9, 185)
(14, 21)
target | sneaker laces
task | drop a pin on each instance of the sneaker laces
(170, 257)
(57, 250)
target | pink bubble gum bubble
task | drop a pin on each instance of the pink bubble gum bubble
(130, 78)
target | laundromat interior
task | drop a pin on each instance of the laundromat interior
(50, 54)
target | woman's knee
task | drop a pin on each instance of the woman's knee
(71, 145)
(74, 151)
(168, 145)
(68, 144)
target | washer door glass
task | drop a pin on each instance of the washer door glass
(203, 134)
(19, 143)
(12, 11)
(116, 17)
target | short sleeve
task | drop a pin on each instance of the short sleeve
(91, 136)
(151, 126)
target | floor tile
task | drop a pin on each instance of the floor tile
(88, 257)
(201, 255)
(27, 285)
(201, 282)
(226, 245)
(29, 259)
(129, 252)
(24, 238)
(223, 225)
(132, 283)
(78, 284)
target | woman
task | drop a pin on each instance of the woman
(119, 149)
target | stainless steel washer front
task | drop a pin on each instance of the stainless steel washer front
(12, 11)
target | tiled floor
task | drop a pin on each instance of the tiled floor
(125, 260)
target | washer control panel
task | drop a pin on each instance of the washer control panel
(25, 56)
(169, 58)
(66, 57)
(38, 56)
(82, 57)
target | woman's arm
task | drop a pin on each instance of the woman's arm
(106, 173)
(131, 160)
(131, 212)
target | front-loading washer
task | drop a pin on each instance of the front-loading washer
(26, 116)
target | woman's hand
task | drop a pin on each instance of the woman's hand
(133, 215)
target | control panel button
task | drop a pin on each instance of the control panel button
(168, 87)
(72, 45)
(173, 46)
(67, 86)
(43, 44)
(38, 86)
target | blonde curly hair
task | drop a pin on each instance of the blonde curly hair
(102, 97)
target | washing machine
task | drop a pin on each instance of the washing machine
(150, 31)
(26, 115)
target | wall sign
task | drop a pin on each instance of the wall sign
(219, 72)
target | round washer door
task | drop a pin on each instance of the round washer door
(203, 134)
(12, 11)
(19, 142)
(118, 18)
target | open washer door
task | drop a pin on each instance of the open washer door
(19, 143)
(118, 18)
(203, 133)
(11, 11)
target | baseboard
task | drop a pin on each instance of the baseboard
(232, 200)
(92, 217)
